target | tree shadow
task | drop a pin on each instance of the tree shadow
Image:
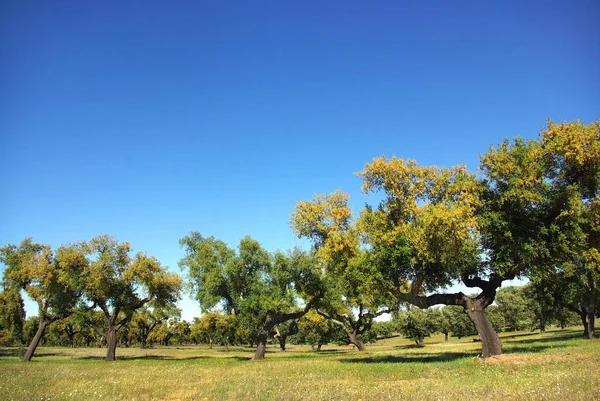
(553, 338)
(417, 358)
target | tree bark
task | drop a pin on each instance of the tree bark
(353, 339)
(261, 347)
(591, 320)
(490, 342)
(111, 338)
(583, 316)
(446, 336)
(36, 340)
(282, 340)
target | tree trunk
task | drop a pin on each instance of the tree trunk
(143, 341)
(111, 338)
(319, 346)
(583, 316)
(35, 341)
(282, 340)
(446, 336)
(261, 347)
(591, 320)
(420, 340)
(353, 339)
(490, 342)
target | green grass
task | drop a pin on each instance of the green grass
(551, 366)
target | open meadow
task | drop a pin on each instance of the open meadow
(550, 366)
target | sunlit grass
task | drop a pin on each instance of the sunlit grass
(555, 365)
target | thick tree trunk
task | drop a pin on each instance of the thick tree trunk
(420, 341)
(446, 336)
(490, 342)
(111, 337)
(591, 320)
(143, 340)
(583, 316)
(319, 346)
(282, 340)
(261, 347)
(35, 341)
(353, 339)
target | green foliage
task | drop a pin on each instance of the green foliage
(515, 308)
(459, 323)
(12, 317)
(416, 324)
(252, 284)
(53, 280)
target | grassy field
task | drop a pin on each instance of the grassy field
(555, 365)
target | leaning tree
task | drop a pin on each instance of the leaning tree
(356, 291)
(260, 289)
(52, 279)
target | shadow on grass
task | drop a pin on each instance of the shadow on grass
(413, 358)
(553, 338)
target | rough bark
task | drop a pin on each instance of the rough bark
(111, 338)
(591, 320)
(282, 341)
(584, 322)
(36, 340)
(353, 339)
(261, 347)
(490, 342)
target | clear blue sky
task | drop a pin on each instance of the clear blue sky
(150, 119)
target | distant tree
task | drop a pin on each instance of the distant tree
(315, 330)
(12, 317)
(459, 322)
(119, 285)
(515, 308)
(385, 329)
(147, 318)
(416, 324)
(496, 318)
(284, 330)
(259, 288)
(53, 281)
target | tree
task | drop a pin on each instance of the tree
(284, 330)
(571, 155)
(459, 323)
(416, 324)
(119, 285)
(315, 329)
(515, 308)
(12, 317)
(355, 291)
(53, 281)
(148, 317)
(259, 288)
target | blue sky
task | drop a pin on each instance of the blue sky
(149, 120)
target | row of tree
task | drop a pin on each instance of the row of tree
(98, 275)
(532, 210)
